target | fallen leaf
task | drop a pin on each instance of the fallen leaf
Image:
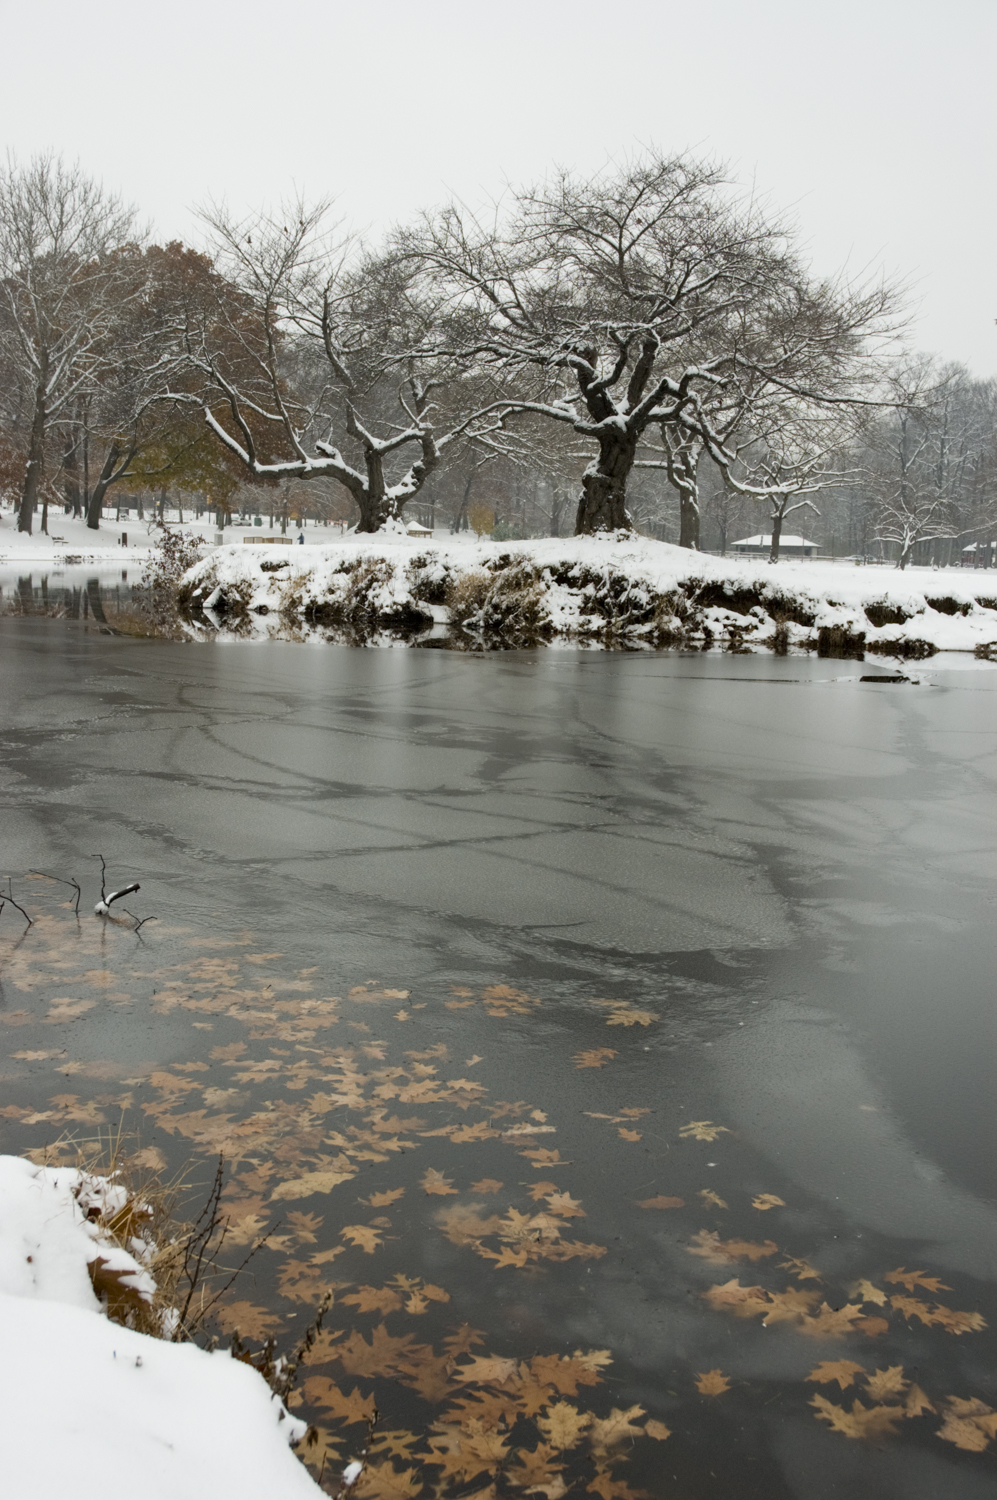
(710, 1198)
(324, 1393)
(861, 1421)
(628, 1015)
(702, 1130)
(764, 1201)
(708, 1244)
(712, 1383)
(563, 1206)
(661, 1201)
(889, 1382)
(864, 1291)
(384, 1355)
(917, 1402)
(374, 1299)
(843, 1371)
(742, 1301)
(912, 1279)
(485, 1370)
(486, 1185)
(655, 1429)
(462, 1340)
(606, 1433)
(801, 1269)
(248, 1319)
(319, 1449)
(434, 1182)
(629, 1135)
(563, 1424)
(383, 1200)
(594, 1057)
(942, 1317)
(382, 1482)
(309, 1183)
(970, 1425)
(831, 1323)
(872, 1327)
(305, 1226)
(789, 1306)
(363, 1235)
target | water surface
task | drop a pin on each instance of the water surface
(582, 901)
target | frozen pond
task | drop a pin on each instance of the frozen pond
(623, 894)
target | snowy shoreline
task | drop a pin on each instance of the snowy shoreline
(75, 1385)
(628, 590)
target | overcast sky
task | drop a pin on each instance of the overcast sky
(873, 121)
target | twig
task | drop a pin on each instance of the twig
(17, 907)
(206, 1308)
(104, 903)
(353, 1470)
(74, 883)
(139, 922)
(286, 1386)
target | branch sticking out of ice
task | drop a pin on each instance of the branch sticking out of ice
(103, 906)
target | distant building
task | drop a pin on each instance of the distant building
(414, 529)
(761, 546)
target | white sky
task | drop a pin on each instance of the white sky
(872, 120)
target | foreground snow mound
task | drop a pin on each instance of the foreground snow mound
(614, 589)
(176, 1422)
(53, 1237)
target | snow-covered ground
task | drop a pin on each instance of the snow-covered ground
(627, 587)
(71, 538)
(89, 1403)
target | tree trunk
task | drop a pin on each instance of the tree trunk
(688, 519)
(460, 519)
(776, 538)
(602, 505)
(71, 483)
(36, 458)
(96, 502)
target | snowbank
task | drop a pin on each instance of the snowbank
(625, 589)
(86, 1401)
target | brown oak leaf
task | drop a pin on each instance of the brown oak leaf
(607, 1433)
(363, 1235)
(861, 1421)
(843, 1371)
(708, 1244)
(885, 1383)
(702, 1130)
(563, 1424)
(433, 1181)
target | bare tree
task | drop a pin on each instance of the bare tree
(633, 300)
(337, 387)
(60, 292)
(909, 475)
